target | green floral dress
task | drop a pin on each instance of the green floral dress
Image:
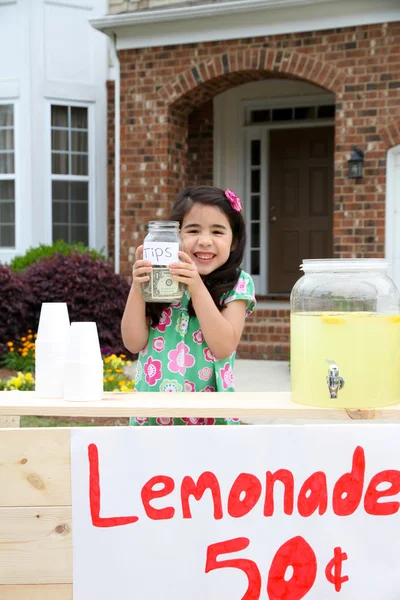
(176, 357)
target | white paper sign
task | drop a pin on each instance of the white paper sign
(258, 512)
(161, 253)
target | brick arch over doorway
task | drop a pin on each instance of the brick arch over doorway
(391, 134)
(188, 99)
(205, 80)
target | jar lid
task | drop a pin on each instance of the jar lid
(319, 265)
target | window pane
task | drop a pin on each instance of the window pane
(255, 235)
(60, 190)
(6, 115)
(326, 112)
(7, 236)
(70, 211)
(255, 208)
(255, 262)
(79, 213)
(260, 116)
(282, 114)
(79, 190)
(79, 141)
(7, 190)
(59, 164)
(255, 181)
(7, 162)
(304, 112)
(60, 232)
(6, 139)
(79, 234)
(59, 116)
(79, 164)
(255, 152)
(7, 213)
(79, 117)
(59, 139)
(60, 213)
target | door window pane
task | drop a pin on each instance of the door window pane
(255, 262)
(255, 153)
(6, 115)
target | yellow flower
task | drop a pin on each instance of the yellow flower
(107, 359)
(10, 344)
(11, 350)
(23, 339)
(30, 336)
(121, 383)
(35, 336)
(111, 378)
(118, 370)
(122, 355)
(29, 376)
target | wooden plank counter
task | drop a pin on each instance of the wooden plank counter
(251, 405)
(35, 472)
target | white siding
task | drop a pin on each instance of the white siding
(53, 55)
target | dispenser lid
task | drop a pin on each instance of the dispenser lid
(319, 265)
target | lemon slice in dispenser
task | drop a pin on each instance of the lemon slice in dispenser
(333, 320)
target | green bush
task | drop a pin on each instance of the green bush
(32, 255)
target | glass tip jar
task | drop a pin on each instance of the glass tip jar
(161, 247)
(345, 334)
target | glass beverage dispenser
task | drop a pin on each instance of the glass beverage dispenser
(345, 335)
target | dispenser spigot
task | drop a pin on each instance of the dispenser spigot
(333, 380)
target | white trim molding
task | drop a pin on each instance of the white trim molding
(240, 19)
(392, 213)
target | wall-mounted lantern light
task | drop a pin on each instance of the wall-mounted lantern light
(356, 163)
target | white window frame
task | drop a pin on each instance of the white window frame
(262, 132)
(90, 177)
(8, 252)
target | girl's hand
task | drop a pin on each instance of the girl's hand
(186, 272)
(141, 269)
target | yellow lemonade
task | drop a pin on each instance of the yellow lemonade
(364, 346)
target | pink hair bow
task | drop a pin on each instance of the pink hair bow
(234, 201)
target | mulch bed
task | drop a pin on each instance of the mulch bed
(100, 421)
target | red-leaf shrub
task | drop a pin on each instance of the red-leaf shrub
(13, 307)
(89, 286)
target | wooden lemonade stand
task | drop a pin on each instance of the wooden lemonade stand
(35, 469)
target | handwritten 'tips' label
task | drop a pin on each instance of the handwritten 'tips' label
(161, 253)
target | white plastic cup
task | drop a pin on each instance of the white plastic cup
(83, 381)
(50, 349)
(83, 343)
(53, 322)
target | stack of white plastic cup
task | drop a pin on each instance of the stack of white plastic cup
(83, 372)
(50, 348)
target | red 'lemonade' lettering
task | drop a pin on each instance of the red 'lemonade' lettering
(148, 493)
(246, 491)
(206, 481)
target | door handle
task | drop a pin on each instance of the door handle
(272, 219)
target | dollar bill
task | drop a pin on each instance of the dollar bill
(163, 286)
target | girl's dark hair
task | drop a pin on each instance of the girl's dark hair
(224, 278)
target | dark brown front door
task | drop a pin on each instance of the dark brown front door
(300, 202)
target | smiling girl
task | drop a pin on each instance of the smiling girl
(190, 346)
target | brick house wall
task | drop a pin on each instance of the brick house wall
(166, 128)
